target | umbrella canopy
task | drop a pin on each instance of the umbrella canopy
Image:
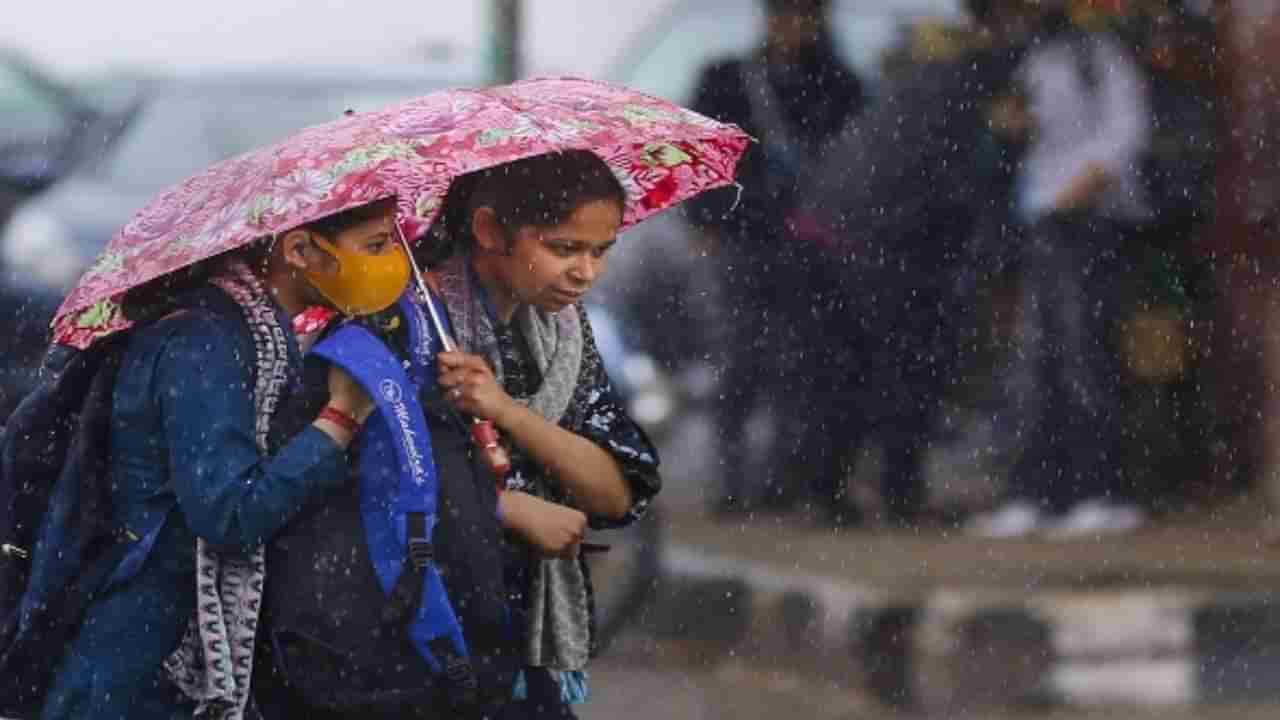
(662, 153)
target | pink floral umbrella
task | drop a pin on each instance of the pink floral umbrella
(662, 153)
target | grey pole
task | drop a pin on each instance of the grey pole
(507, 55)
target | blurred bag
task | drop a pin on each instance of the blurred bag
(1157, 347)
(58, 548)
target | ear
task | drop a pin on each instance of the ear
(297, 250)
(488, 232)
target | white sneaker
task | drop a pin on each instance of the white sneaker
(1011, 520)
(1095, 518)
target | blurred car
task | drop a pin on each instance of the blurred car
(661, 279)
(178, 127)
(44, 130)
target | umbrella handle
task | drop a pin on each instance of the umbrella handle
(485, 436)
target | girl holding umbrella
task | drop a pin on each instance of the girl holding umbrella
(530, 238)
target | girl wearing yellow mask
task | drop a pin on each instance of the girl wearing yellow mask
(197, 484)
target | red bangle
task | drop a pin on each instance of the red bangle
(341, 419)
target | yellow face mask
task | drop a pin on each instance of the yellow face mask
(364, 284)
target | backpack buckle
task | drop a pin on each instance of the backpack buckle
(15, 551)
(458, 670)
(125, 535)
(420, 552)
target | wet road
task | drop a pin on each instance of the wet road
(632, 690)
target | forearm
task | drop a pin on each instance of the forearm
(229, 492)
(585, 471)
(554, 530)
(242, 501)
(517, 512)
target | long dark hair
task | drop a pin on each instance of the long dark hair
(541, 191)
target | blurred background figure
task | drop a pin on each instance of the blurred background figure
(1081, 196)
(1170, 420)
(897, 204)
(794, 94)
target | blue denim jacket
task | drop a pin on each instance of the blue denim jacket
(182, 445)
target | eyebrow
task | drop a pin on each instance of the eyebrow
(580, 243)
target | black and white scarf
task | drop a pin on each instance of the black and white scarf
(214, 662)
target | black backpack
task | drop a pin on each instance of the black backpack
(331, 640)
(57, 546)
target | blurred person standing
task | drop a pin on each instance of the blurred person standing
(794, 94)
(902, 197)
(1170, 420)
(1081, 196)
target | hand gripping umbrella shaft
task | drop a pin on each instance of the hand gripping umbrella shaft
(483, 433)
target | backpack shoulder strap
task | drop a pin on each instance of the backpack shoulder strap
(398, 430)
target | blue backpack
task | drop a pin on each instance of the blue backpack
(389, 598)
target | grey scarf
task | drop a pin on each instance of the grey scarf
(559, 629)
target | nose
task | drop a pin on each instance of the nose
(585, 270)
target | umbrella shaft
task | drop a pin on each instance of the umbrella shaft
(425, 293)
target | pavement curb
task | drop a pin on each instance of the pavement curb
(966, 648)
